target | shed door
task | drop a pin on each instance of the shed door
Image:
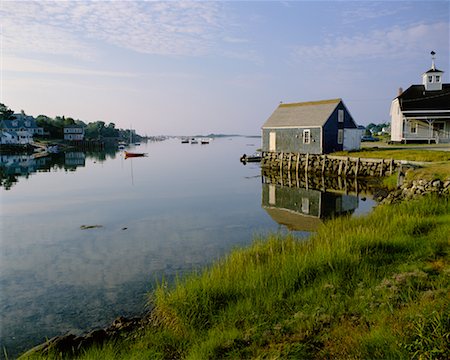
(272, 141)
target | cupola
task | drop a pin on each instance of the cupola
(432, 79)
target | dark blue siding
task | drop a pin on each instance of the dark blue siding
(331, 127)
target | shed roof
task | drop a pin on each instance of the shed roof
(311, 113)
(292, 220)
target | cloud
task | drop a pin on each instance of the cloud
(74, 27)
(235, 40)
(22, 65)
(364, 11)
(393, 43)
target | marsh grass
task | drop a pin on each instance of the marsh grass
(399, 154)
(363, 287)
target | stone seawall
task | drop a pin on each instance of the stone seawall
(329, 165)
(412, 189)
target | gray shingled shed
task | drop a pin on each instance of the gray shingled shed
(315, 127)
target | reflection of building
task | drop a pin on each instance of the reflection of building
(74, 158)
(21, 165)
(303, 210)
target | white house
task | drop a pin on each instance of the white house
(73, 132)
(422, 112)
(8, 138)
(19, 129)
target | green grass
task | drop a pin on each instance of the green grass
(399, 154)
(365, 287)
(437, 162)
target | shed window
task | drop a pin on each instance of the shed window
(340, 134)
(306, 136)
(430, 78)
(305, 205)
(340, 115)
(438, 78)
(413, 128)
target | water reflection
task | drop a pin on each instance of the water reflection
(16, 166)
(176, 210)
(303, 203)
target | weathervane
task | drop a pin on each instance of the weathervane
(433, 57)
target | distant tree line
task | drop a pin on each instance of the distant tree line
(54, 127)
(376, 128)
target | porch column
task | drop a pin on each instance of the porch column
(430, 130)
(405, 129)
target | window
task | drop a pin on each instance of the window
(430, 78)
(340, 134)
(413, 128)
(340, 115)
(306, 136)
(438, 78)
(305, 205)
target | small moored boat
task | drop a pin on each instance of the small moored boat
(250, 158)
(133, 154)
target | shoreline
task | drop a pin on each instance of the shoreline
(122, 328)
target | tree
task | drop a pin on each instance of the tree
(5, 112)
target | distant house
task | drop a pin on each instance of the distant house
(74, 132)
(315, 127)
(9, 138)
(21, 129)
(422, 112)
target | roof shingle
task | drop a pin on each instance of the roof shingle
(311, 113)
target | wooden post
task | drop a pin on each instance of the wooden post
(340, 168)
(281, 162)
(289, 178)
(357, 167)
(381, 168)
(391, 167)
(324, 160)
(346, 166)
(298, 162)
(289, 161)
(307, 161)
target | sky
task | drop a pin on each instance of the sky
(200, 67)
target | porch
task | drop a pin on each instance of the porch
(426, 130)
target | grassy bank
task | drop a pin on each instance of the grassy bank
(399, 154)
(366, 287)
(436, 164)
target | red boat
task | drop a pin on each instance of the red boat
(133, 154)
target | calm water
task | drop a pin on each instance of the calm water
(176, 210)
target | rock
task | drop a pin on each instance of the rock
(436, 183)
